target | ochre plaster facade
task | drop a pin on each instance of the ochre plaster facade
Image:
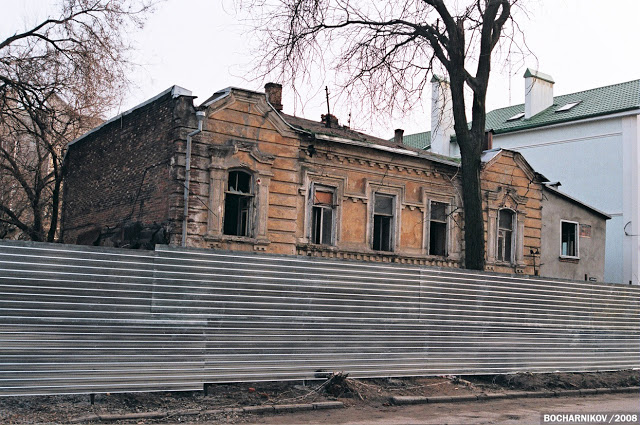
(288, 158)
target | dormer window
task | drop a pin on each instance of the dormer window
(568, 106)
(516, 117)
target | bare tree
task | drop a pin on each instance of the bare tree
(388, 49)
(56, 78)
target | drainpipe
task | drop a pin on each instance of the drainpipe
(187, 176)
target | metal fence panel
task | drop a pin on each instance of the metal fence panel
(85, 320)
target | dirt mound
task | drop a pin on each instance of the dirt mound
(561, 380)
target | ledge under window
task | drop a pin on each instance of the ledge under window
(237, 239)
(567, 259)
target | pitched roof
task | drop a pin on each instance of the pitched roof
(576, 201)
(342, 132)
(317, 127)
(591, 103)
(418, 140)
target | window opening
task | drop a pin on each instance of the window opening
(238, 204)
(322, 216)
(569, 241)
(505, 235)
(382, 222)
(438, 228)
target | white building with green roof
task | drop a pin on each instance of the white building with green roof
(589, 142)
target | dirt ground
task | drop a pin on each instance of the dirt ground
(353, 393)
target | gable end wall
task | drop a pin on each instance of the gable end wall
(124, 173)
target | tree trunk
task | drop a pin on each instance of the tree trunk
(472, 199)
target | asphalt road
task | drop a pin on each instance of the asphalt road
(518, 411)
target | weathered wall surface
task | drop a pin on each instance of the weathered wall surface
(358, 173)
(131, 171)
(509, 183)
(591, 244)
(123, 173)
(242, 132)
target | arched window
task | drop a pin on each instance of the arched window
(506, 220)
(238, 204)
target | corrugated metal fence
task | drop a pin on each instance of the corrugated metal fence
(86, 320)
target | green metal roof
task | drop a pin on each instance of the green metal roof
(592, 103)
(418, 140)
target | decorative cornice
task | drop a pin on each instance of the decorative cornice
(311, 250)
(382, 165)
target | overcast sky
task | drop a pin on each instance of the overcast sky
(199, 45)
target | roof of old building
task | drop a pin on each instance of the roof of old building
(591, 103)
(344, 132)
(318, 127)
(573, 200)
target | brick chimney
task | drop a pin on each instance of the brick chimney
(274, 95)
(538, 92)
(397, 137)
(329, 120)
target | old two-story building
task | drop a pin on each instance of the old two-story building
(262, 180)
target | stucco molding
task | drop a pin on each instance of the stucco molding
(256, 100)
(343, 158)
(311, 177)
(233, 146)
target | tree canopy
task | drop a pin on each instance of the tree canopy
(57, 77)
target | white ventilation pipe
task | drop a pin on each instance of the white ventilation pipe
(187, 176)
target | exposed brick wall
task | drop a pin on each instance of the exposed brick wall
(124, 172)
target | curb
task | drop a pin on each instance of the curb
(273, 408)
(405, 400)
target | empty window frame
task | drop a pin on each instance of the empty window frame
(323, 213)
(238, 205)
(438, 228)
(568, 239)
(506, 220)
(383, 222)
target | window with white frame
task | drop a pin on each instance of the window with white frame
(238, 205)
(383, 222)
(438, 228)
(506, 223)
(568, 239)
(323, 215)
